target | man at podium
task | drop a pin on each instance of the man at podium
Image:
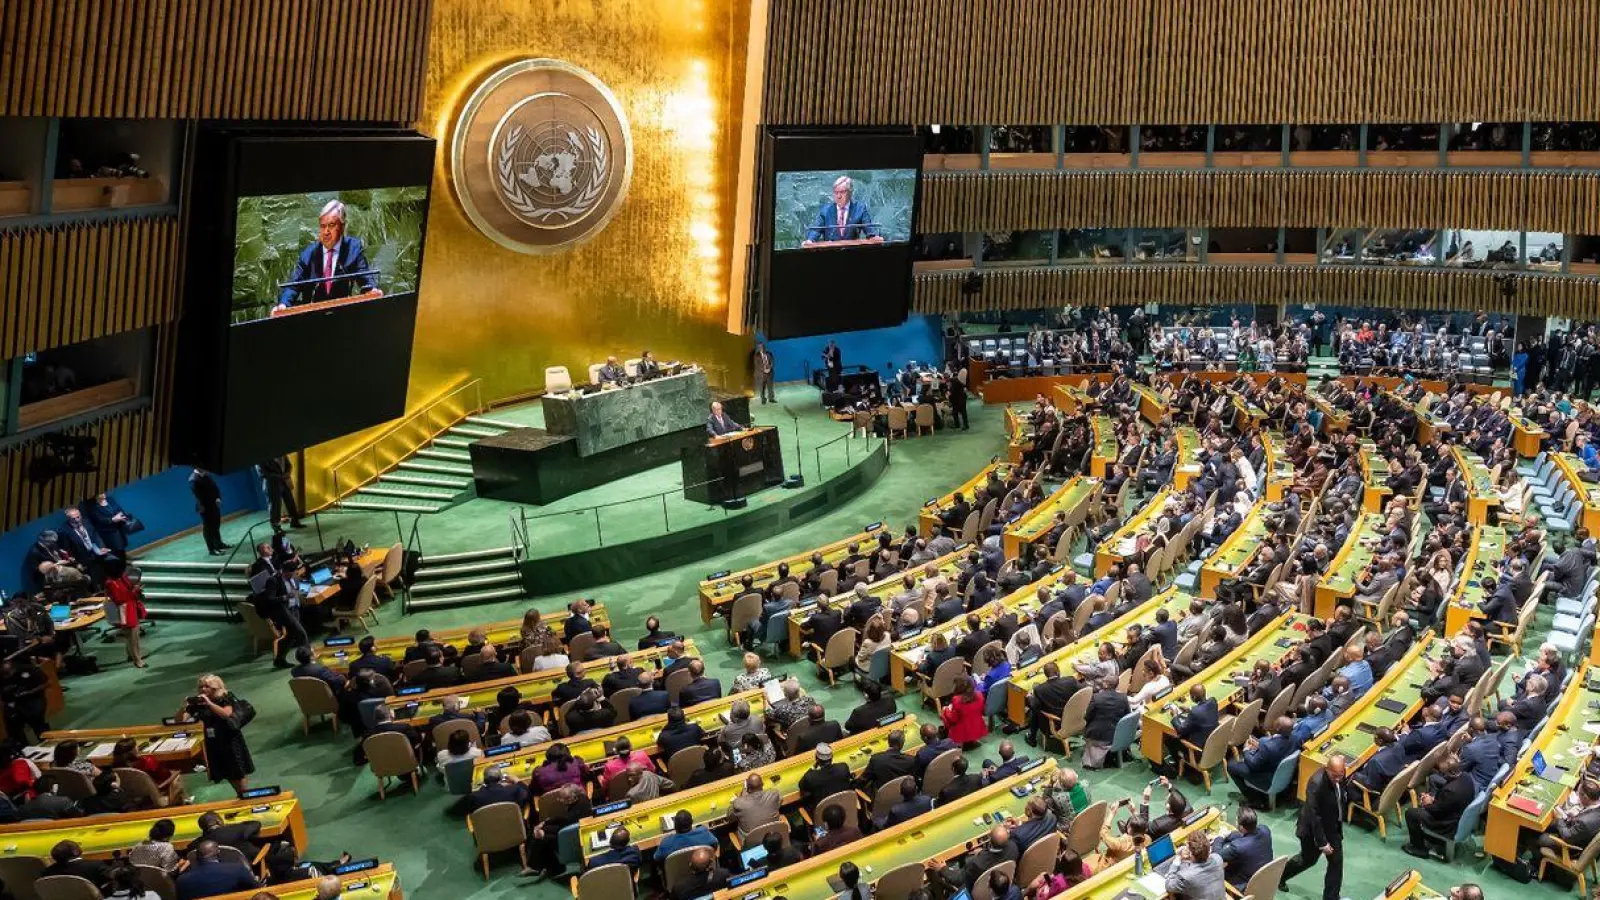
(718, 424)
(333, 267)
(842, 219)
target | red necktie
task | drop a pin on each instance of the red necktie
(841, 223)
(327, 272)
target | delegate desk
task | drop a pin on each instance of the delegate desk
(595, 747)
(1119, 880)
(934, 570)
(1571, 468)
(934, 510)
(651, 821)
(1426, 426)
(1105, 448)
(1409, 886)
(717, 592)
(938, 837)
(181, 748)
(1151, 405)
(1279, 474)
(535, 687)
(1481, 493)
(907, 654)
(1236, 552)
(1334, 420)
(1019, 434)
(381, 882)
(371, 563)
(1072, 498)
(1466, 601)
(608, 418)
(1223, 681)
(280, 816)
(338, 652)
(1374, 477)
(1527, 800)
(1526, 437)
(1340, 581)
(1122, 542)
(733, 465)
(1072, 399)
(1391, 700)
(1188, 465)
(1085, 646)
(1248, 416)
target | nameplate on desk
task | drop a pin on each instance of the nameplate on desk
(339, 641)
(744, 878)
(932, 501)
(355, 865)
(715, 575)
(502, 749)
(170, 720)
(1031, 764)
(874, 526)
(270, 790)
(1195, 816)
(610, 808)
(257, 810)
(1395, 885)
(411, 691)
(891, 719)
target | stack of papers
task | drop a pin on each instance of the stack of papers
(102, 751)
(173, 745)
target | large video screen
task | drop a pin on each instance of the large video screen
(305, 262)
(294, 253)
(838, 209)
(842, 212)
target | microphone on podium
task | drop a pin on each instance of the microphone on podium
(798, 478)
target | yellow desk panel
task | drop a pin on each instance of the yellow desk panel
(1481, 494)
(932, 571)
(1229, 559)
(720, 592)
(97, 744)
(1340, 581)
(1351, 733)
(1119, 546)
(1466, 601)
(1117, 881)
(935, 837)
(1408, 886)
(933, 511)
(381, 883)
(100, 836)
(500, 634)
(1559, 741)
(906, 655)
(1071, 498)
(1105, 449)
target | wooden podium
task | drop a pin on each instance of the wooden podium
(279, 312)
(733, 465)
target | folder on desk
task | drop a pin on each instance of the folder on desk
(1388, 705)
(1526, 804)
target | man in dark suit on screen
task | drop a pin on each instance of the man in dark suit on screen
(842, 219)
(720, 423)
(321, 271)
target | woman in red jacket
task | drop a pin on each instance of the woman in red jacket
(963, 714)
(122, 588)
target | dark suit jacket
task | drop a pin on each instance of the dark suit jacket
(240, 836)
(960, 786)
(699, 691)
(676, 737)
(717, 427)
(823, 625)
(570, 689)
(90, 869)
(209, 879)
(1450, 802)
(910, 809)
(351, 257)
(1106, 708)
(1197, 724)
(1322, 815)
(1052, 694)
(382, 665)
(866, 716)
(648, 703)
(826, 733)
(885, 767)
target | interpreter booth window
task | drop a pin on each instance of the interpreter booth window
(1019, 139)
(63, 383)
(1585, 254)
(1242, 246)
(1249, 139)
(1172, 139)
(1090, 246)
(114, 163)
(1018, 248)
(1342, 246)
(1324, 145)
(1401, 247)
(1165, 245)
(1543, 250)
(1485, 136)
(1402, 138)
(1095, 139)
(948, 138)
(1299, 246)
(1576, 137)
(942, 246)
(1465, 249)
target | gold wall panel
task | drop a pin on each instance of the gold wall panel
(1036, 288)
(357, 60)
(61, 284)
(1022, 62)
(1369, 198)
(657, 276)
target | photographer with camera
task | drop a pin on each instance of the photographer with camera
(224, 717)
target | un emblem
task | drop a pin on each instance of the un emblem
(540, 156)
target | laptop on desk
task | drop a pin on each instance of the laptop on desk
(60, 612)
(1161, 853)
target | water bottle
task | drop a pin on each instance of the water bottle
(1138, 864)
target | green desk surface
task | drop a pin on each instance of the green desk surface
(536, 687)
(1000, 470)
(499, 634)
(724, 588)
(1240, 546)
(1489, 550)
(709, 803)
(1351, 733)
(1272, 644)
(1189, 447)
(100, 836)
(1066, 498)
(1024, 602)
(1279, 468)
(641, 733)
(1374, 465)
(1174, 601)
(1121, 542)
(939, 835)
(1105, 437)
(1480, 486)
(1571, 466)
(1357, 552)
(372, 884)
(1564, 734)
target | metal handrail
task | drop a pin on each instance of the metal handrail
(431, 429)
(249, 540)
(600, 532)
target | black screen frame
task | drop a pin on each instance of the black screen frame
(324, 384)
(799, 295)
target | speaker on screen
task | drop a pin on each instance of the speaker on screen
(838, 212)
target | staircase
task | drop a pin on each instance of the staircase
(435, 477)
(184, 589)
(460, 579)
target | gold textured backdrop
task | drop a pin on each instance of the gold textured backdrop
(656, 277)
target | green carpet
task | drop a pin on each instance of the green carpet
(434, 853)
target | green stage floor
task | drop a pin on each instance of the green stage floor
(434, 853)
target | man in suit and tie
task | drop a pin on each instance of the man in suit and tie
(700, 688)
(719, 423)
(1195, 725)
(612, 372)
(761, 365)
(1244, 852)
(208, 503)
(84, 545)
(842, 218)
(276, 474)
(333, 267)
(1320, 828)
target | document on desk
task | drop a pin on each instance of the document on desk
(102, 750)
(173, 745)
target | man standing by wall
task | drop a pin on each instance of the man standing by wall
(208, 503)
(276, 473)
(762, 365)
